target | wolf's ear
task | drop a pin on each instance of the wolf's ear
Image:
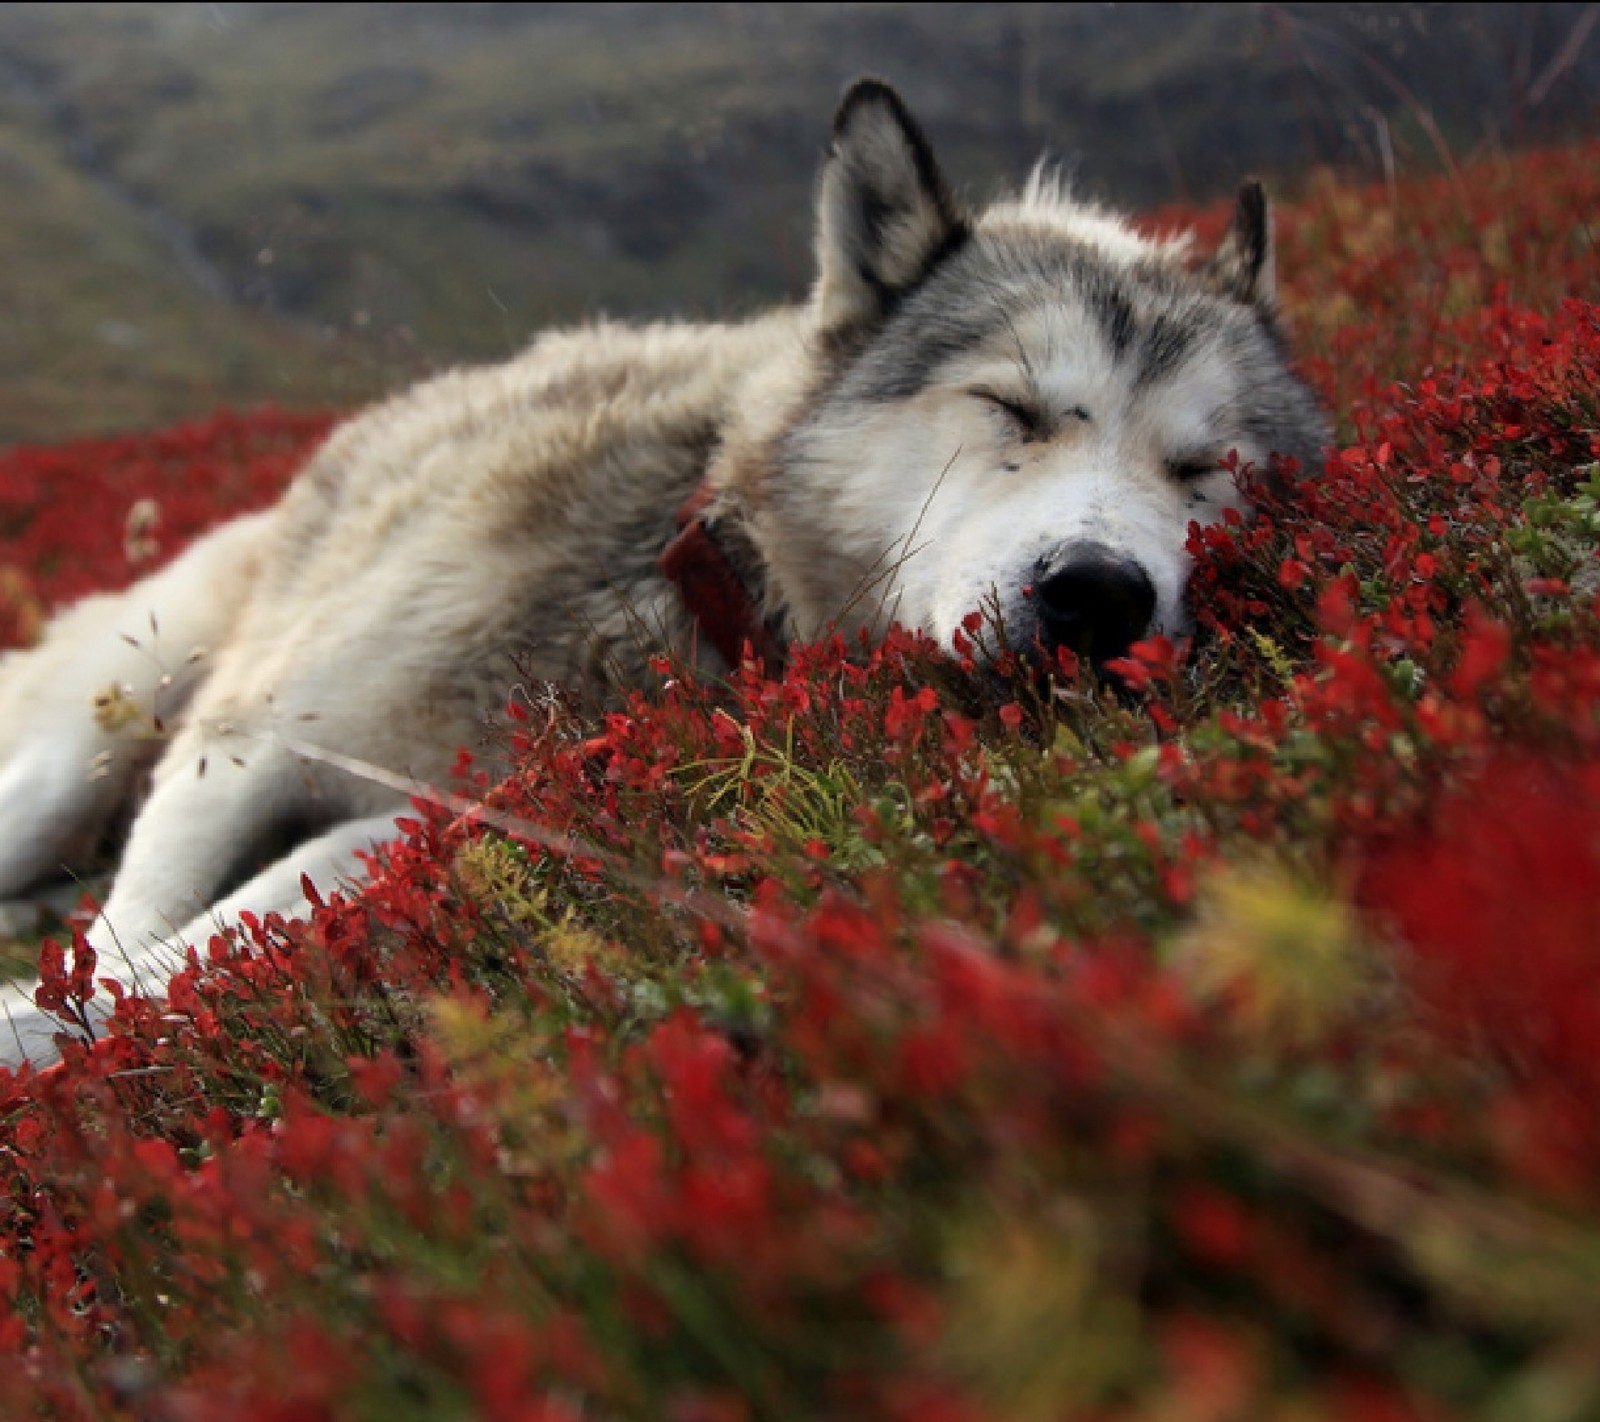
(1244, 266)
(884, 213)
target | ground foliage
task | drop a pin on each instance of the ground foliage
(882, 1041)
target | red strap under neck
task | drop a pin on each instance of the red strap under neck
(714, 594)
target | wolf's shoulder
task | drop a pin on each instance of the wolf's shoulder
(573, 401)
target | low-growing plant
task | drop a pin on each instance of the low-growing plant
(863, 1038)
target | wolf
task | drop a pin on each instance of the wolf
(1023, 407)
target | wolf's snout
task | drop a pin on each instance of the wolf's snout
(1093, 601)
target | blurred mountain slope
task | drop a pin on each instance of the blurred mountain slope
(308, 203)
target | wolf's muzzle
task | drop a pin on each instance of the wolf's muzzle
(1092, 601)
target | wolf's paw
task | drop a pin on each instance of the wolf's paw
(29, 1036)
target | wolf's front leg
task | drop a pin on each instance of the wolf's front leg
(329, 861)
(216, 801)
(209, 807)
(82, 712)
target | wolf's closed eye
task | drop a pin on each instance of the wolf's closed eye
(1191, 471)
(1025, 420)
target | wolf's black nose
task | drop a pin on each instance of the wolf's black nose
(1093, 601)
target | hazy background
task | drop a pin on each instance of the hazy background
(228, 204)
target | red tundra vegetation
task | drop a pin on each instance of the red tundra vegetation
(859, 1043)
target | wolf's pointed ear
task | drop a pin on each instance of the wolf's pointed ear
(1244, 266)
(884, 213)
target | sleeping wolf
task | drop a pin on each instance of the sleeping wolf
(1023, 407)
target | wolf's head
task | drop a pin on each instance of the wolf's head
(1023, 408)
